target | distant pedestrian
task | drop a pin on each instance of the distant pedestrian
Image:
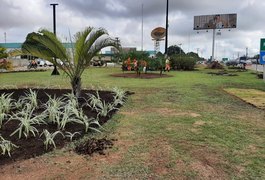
(167, 67)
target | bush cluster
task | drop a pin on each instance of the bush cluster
(4, 64)
(182, 62)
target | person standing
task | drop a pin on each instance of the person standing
(167, 67)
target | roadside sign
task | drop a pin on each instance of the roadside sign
(262, 51)
(262, 57)
(262, 44)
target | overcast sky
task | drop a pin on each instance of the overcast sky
(123, 19)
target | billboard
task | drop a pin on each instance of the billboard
(158, 33)
(215, 21)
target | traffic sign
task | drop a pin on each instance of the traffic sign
(262, 57)
(262, 44)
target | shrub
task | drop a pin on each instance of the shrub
(155, 64)
(215, 65)
(4, 64)
(182, 62)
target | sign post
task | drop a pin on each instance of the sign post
(262, 56)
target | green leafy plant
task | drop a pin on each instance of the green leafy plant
(27, 119)
(88, 122)
(49, 138)
(71, 99)
(119, 96)
(6, 146)
(18, 104)
(93, 100)
(119, 93)
(104, 108)
(88, 43)
(71, 135)
(3, 116)
(53, 107)
(67, 116)
(31, 98)
(6, 103)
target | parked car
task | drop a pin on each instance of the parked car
(42, 62)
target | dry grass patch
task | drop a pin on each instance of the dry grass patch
(251, 96)
(171, 112)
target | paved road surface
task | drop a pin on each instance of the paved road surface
(255, 67)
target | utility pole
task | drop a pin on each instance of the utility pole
(55, 71)
(213, 45)
(166, 41)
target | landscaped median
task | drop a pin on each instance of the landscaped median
(184, 126)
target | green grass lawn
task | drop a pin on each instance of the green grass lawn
(182, 127)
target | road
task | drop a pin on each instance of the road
(255, 67)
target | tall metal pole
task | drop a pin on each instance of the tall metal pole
(142, 44)
(213, 45)
(55, 71)
(166, 29)
(54, 17)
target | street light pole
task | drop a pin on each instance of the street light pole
(166, 29)
(54, 17)
(55, 71)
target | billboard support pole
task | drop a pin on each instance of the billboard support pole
(166, 41)
(264, 72)
(213, 45)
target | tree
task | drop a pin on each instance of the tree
(174, 50)
(88, 43)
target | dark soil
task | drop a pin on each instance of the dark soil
(222, 73)
(94, 145)
(33, 146)
(147, 75)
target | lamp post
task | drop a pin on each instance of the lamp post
(166, 28)
(55, 71)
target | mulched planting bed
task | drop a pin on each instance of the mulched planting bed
(33, 146)
(141, 76)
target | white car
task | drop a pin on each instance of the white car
(42, 62)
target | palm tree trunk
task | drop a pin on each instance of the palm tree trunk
(76, 86)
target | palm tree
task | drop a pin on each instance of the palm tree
(88, 43)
